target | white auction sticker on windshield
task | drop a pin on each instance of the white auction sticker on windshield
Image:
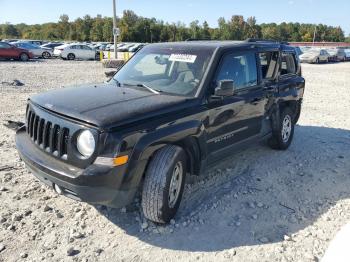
(186, 58)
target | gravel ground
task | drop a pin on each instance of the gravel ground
(258, 205)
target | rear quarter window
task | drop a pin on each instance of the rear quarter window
(288, 64)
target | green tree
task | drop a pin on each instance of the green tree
(108, 29)
(63, 27)
(195, 30)
(96, 32)
(205, 31)
(252, 30)
(10, 31)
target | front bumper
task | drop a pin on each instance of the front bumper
(305, 60)
(95, 184)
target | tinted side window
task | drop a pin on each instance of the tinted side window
(239, 68)
(288, 64)
(268, 62)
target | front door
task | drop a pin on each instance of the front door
(239, 117)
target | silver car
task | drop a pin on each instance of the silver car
(347, 54)
(35, 49)
(314, 56)
(337, 54)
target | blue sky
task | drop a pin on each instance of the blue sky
(309, 11)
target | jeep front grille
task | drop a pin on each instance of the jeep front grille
(47, 135)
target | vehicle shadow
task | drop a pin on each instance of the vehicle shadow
(254, 197)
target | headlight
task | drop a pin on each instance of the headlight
(86, 143)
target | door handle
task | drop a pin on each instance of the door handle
(270, 89)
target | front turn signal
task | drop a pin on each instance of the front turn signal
(120, 160)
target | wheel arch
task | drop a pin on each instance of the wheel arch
(294, 105)
(190, 136)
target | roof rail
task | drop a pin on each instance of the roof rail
(257, 40)
(198, 39)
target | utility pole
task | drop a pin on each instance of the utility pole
(114, 29)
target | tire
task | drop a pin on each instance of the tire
(166, 172)
(97, 57)
(317, 61)
(23, 57)
(282, 138)
(46, 55)
(71, 56)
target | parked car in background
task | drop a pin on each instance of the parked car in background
(35, 49)
(314, 56)
(8, 51)
(347, 54)
(110, 47)
(35, 42)
(76, 51)
(51, 45)
(10, 40)
(136, 47)
(337, 54)
(125, 48)
(101, 46)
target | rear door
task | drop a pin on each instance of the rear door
(239, 117)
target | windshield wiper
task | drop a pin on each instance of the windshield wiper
(154, 91)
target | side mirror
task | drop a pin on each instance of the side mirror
(225, 88)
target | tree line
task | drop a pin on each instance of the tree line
(134, 28)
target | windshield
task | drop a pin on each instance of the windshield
(332, 51)
(173, 70)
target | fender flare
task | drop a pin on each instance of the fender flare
(176, 134)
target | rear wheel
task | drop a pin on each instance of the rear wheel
(24, 57)
(46, 55)
(283, 136)
(164, 184)
(71, 56)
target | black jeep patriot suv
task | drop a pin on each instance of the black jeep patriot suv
(171, 110)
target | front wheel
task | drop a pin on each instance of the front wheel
(164, 184)
(283, 136)
(46, 55)
(24, 57)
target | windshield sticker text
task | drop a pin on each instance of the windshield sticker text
(186, 58)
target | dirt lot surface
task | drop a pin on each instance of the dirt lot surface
(258, 205)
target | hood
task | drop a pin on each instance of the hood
(308, 55)
(104, 105)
